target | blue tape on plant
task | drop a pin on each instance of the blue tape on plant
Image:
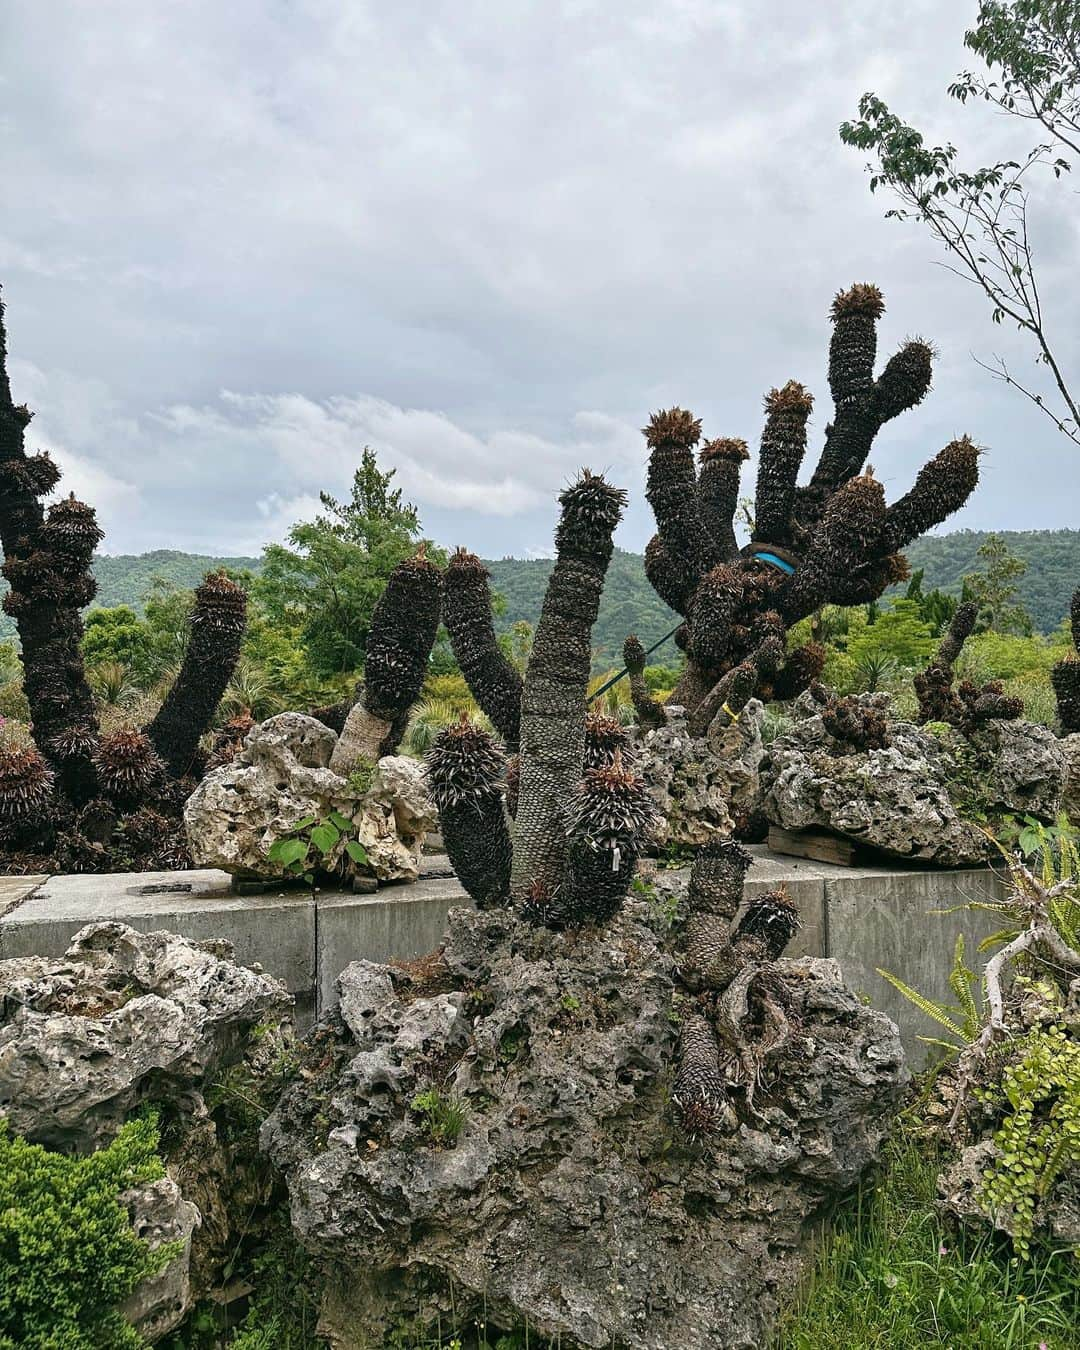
(783, 565)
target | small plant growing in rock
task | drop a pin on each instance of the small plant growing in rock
(443, 1115)
(310, 846)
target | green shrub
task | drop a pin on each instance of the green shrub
(68, 1254)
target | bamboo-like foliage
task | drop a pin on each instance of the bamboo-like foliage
(1066, 675)
(465, 770)
(834, 540)
(467, 613)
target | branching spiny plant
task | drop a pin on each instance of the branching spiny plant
(128, 768)
(604, 738)
(853, 723)
(47, 558)
(215, 632)
(467, 613)
(404, 625)
(1066, 675)
(713, 899)
(833, 540)
(26, 793)
(465, 770)
(968, 706)
(699, 1092)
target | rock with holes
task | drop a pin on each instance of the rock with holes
(702, 784)
(125, 1021)
(489, 1134)
(282, 776)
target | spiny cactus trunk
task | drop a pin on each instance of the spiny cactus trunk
(47, 560)
(650, 714)
(465, 774)
(553, 700)
(491, 678)
(215, 632)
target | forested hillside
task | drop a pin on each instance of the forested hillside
(629, 603)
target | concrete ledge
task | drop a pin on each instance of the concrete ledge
(866, 917)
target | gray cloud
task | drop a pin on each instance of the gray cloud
(244, 240)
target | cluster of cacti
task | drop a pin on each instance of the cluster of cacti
(1066, 675)
(47, 558)
(719, 950)
(853, 723)
(580, 811)
(966, 706)
(833, 540)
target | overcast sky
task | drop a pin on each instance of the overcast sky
(239, 241)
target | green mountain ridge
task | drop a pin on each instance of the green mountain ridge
(629, 604)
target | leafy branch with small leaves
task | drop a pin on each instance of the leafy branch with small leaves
(311, 846)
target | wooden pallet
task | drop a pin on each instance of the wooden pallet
(816, 844)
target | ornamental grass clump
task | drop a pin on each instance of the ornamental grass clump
(832, 540)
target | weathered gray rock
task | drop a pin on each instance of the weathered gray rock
(699, 782)
(283, 775)
(1027, 769)
(1070, 793)
(125, 1019)
(570, 1200)
(159, 1215)
(122, 1017)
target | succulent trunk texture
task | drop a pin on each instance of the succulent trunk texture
(833, 540)
(968, 706)
(553, 702)
(649, 712)
(1066, 675)
(465, 774)
(215, 632)
(467, 613)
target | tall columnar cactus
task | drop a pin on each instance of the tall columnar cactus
(215, 632)
(465, 770)
(650, 714)
(833, 540)
(467, 613)
(46, 562)
(553, 702)
(404, 625)
(720, 464)
(1066, 675)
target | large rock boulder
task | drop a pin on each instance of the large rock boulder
(491, 1135)
(700, 784)
(923, 795)
(281, 776)
(126, 1020)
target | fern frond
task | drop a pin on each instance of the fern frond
(998, 939)
(961, 982)
(937, 1012)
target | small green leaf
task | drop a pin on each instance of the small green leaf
(325, 837)
(287, 851)
(303, 824)
(343, 823)
(356, 851)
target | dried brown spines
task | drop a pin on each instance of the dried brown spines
(905, 381)
(403, 628)
(553, 700)
(941, 487)
(863, 300)
(26, 793)
(772, 918)
(467, 613)
(674, 427)
(712, 616)
(801, 667)
(465, 771)
(215, 633)
(699, 1093)
(604, 738)
(933, 686)
(714, 897)
(71, 532)
(980, 704)
(720, 468)
(128, 769)
(783, 445)
(850, 532)
(610, 818)
(853, 723)
(650, 713)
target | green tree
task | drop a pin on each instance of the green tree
(326, 581)
(935, 607)
(118, 635)
(1031, 51)
(994, 589)
(898, 637)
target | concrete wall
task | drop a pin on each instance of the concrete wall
(866, 917)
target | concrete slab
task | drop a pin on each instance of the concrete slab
(14, 890)
(398, 922)
(884, 919)
(274, 931)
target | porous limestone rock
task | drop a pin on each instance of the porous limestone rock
(570, 1200)
(1027, 767)
(1070, 793)
(283, 775)
(698, 783)
(126, 1019)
